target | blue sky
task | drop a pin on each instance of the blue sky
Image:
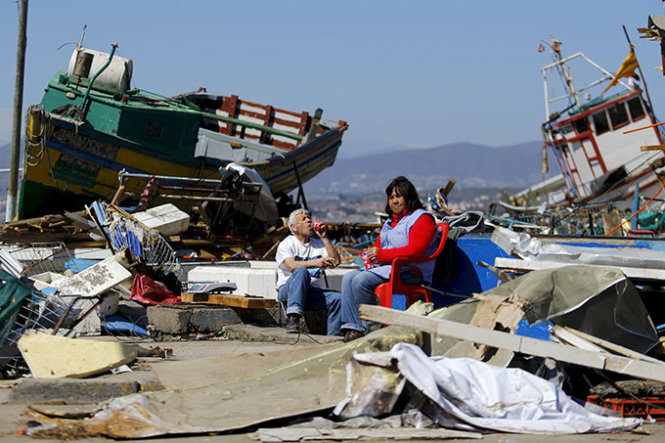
(402, 73)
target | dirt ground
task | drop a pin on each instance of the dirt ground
(11, 419)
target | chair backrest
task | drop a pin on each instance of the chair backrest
(442, 230)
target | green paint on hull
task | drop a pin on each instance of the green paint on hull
(36, 200)
(167, 128)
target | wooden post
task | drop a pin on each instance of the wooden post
(12, 190)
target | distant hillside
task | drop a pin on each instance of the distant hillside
(469, 164)
(5, 159)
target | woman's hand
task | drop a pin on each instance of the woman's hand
(372, 252)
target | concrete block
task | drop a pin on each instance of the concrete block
(167, 219)
(168, 320)
(51, 356)
(212, 319)
(183, 319)
(42, 390)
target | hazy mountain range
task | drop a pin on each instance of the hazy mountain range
(5, 159)
(471, 165)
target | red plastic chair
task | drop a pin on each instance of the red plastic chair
(385, 291)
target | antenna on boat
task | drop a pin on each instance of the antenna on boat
(78, 45)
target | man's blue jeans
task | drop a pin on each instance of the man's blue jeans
(297, 294)
(358, 288)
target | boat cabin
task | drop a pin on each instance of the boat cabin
(592, 148)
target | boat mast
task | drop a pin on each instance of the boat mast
(565, 72)
(10, 210)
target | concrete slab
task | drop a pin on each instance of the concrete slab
(275, 334)
(51, 356)
(70, 391)
(94, 280)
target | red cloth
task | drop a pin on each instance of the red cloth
(147, 291)
(420, 237)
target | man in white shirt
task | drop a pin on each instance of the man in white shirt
(301, 259)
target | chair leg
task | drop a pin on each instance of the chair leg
(385, 295)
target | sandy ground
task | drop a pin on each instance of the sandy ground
(11, 419)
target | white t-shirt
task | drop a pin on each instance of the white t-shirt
(292, 247)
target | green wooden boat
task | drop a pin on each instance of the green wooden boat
(90, 126)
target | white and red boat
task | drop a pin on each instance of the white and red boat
(595, 139)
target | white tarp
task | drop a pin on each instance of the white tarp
(469, 392)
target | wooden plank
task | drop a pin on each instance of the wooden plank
(517, 343)
(534, 265)
(652, 148)
(236, 301)
(607, 344)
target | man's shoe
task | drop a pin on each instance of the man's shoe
(352, 334)
(293, 323)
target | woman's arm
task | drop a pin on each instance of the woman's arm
(420, 237)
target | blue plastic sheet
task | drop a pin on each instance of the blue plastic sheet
(119, 324)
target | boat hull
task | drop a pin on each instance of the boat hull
(77, 166)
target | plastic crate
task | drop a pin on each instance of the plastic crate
(646, 406)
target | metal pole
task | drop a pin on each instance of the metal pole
(644, 82)
(10, 211)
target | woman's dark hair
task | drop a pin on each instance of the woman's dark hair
(406, 189)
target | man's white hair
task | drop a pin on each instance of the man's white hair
(294, 214)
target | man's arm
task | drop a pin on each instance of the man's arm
(333, 258)
(292, 264)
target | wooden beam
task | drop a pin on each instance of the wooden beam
(652, 148)
(606, 344)
(236, 301)
(517, 343)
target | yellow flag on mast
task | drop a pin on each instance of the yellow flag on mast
(627, 68)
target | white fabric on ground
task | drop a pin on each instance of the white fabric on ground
(490, 397)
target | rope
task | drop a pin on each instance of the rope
(638, 211)
(34, 150)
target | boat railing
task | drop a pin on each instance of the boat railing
(572, 91)
(234, 121)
